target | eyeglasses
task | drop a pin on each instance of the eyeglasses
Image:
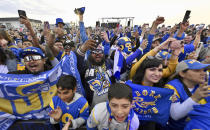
(34, 58)
(97, 52)
(150, 57)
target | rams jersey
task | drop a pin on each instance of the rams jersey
(77, 108)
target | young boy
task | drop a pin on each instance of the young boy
(68, 107)
(117, 113)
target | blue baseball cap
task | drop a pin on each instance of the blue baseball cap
(163, 55)
(59, 20)
(32, 50)
(190, 64)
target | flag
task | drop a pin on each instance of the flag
(200, 119)
(27, 96)
(151, 103)
(118, 64)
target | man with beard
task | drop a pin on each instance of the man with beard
(97, 76)
(34, 60)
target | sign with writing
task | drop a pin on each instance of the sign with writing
(151, 103)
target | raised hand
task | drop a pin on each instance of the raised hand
(201, 92)
(56, 114)
(144, 44)
(184, 26)
(159, 20)
(24, 20)
(165, 44)
(172, 30)
(177, 49)
(104, 36)
(89, 44)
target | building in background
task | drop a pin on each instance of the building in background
(14, 23)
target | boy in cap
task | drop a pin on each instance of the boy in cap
(34, 60)
(59, 22)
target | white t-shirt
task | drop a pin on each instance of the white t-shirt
(3, 69)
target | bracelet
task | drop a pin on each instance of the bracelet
(80, 52)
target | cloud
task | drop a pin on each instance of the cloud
(143, 11)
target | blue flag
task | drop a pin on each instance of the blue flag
(200, 117)
(27, 96)
(151, 103)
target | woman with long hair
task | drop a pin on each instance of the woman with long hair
(150, 73)
(190, 90)
(11, 51)
(3, 59)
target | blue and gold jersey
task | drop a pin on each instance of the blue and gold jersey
(77, 108)
(181, 96)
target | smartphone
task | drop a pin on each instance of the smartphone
(97, 39)
(22, 13)
(46, 25)
(201, 26)
(198, 49)
(186, 16)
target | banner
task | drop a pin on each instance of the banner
(151, 103)
(200, 119)
(27, 96)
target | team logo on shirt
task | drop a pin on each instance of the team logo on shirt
(99, 87)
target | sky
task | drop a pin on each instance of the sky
(144, 11)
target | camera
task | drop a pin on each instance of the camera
(79, 10)
(22, 13)
(97, 39)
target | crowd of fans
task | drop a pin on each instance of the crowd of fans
(175, 57)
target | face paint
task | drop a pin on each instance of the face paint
(128, 48)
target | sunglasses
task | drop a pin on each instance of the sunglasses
(67, 47)
(153, 57)
(97, 52)
(34, 58)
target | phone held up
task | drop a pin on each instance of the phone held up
(186, 16)
(46, 25)
(22, 13)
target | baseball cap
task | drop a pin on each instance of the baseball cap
(32, 50)
(190, 64)
(59, 20)
(157, 39)
(68, 44)
(163, 55)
